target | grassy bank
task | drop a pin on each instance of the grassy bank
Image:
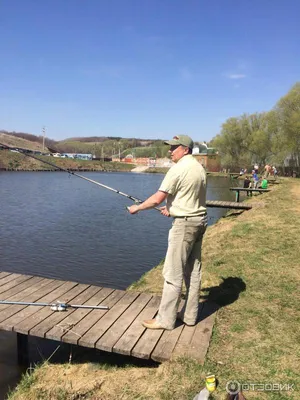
(158, 170)
(252, 270)
(20, 162)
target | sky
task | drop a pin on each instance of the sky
(143, 68)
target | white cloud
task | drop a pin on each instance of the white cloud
(236, 76)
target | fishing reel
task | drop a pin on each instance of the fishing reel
(59, 306)
(136, 202)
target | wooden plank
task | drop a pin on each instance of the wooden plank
(164, 348)
(118, 329)
(16, 313)
(8, 278)
(13, 282)
(228, 204)
(129, 339)
(146, 343)
(68, 323)
(18, 292)
(238, 189)
(51, 318)
(110, 338)
(3, 274)
(33, 314)
(111, 297)
(45, 288)
(200, 341)
(10, 309)
(94, 334)
(183, 343)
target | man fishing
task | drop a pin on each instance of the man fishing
(184, 189)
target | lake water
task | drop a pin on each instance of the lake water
(59, 226)
(56, 225)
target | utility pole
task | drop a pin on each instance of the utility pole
(113, 150)
(119, 152)
(44, 133)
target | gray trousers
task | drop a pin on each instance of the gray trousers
(182, 262)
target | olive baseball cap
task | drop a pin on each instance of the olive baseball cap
(182, 140)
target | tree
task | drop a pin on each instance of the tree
(260, 137)
(288, 114)
(232, 143)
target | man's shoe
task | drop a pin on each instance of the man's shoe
(152, 324)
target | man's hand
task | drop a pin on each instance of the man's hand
(152, 202)
(133, 209)
(164, 211)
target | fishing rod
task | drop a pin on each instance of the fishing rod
(57, 306)
(136, 200)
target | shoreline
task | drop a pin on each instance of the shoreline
(15, 162)
(150, 170)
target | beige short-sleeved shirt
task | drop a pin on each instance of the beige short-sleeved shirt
(185, 183)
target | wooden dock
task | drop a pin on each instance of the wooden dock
(117, 329)
(237, 191)
(228, 204)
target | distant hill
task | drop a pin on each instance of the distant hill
(15, 141)
(26, 140)
(102, 146)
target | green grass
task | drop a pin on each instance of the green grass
(27, 381)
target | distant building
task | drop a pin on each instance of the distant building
(129, 159)
(208, 157)
(69, 155)
(78, 156)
